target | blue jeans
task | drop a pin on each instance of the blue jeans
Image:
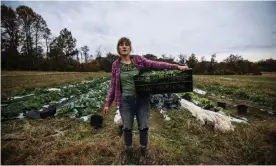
(129, 107)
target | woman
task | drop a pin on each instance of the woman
(122, 89)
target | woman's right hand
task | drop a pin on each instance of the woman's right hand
(183, 67)
(106, 110)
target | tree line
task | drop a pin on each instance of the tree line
(28, 44)
(233, 64)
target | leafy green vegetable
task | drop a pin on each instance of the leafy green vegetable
(44, 97)
(87, 104)
(204, 102)
(156, 76)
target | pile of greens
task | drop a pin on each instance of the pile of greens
(160, 72)
(162, 76)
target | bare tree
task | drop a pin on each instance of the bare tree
(182, 59)
(47, 37)
(85, 51)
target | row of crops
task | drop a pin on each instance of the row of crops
(88, 97)
(86, 104)
(75, 99)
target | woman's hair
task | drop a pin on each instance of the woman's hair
(123, 40)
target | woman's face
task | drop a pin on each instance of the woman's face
(124, 49)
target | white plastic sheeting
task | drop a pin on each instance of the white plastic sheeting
(270, 112)
(85, 118)
(233, 119)
(19, 97)
(237, 120)
(167, 117)
(20, 116)
(267, 111)
(62, 100)
(53, 89)
(220, 122)
(69, 86)
(164, 113)
(196, 102)
(86, 81)
(200, 92)
(45, 106)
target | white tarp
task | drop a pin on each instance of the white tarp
(167, 117)
(53, 89)
(219, 121)
(62, 100)
(45, 106)
(85, 118)
(164, 113)
(200, 92)
(237, 120)
(20, 116)
(19, 97)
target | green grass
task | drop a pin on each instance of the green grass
(178, 141)
(257, 89)
(196, 144)
(14, 82)
(245, 78)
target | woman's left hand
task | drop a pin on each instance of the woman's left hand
(183, 67)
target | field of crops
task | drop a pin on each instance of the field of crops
(180, 140)
(85, 98)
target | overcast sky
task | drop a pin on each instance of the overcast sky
(203, 28)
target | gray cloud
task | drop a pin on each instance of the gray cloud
(167, 27)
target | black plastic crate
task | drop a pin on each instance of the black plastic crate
(165, 83)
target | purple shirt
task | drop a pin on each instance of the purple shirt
(141, 63)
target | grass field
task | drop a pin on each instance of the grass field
(178, 141)
(12, 82)
(260, 90)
